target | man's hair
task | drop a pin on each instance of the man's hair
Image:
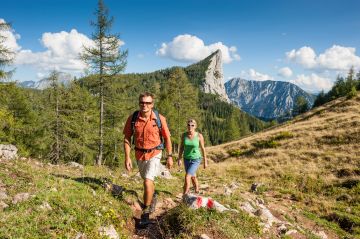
(146, 94)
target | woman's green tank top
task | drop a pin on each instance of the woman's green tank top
(191, 147)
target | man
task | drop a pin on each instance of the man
(148, 147)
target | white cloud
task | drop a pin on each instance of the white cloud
(285, 72)
(336, 58)
(190, 48)
(10, 38)
(254, 75)
(305, 56)
(62, 52)
(313, 82)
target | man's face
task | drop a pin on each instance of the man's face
(146, 104)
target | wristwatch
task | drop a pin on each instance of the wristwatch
(169, 155)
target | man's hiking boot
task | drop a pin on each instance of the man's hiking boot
(145, 220)
(153, 203)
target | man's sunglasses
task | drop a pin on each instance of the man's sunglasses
(145, 103)
(191, 125)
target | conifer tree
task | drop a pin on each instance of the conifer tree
(6, 54)
(105, 59)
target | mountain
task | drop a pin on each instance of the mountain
(64, 78)
(265, 99)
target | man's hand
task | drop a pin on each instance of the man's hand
(179, 162)
(128, 164)
(169, 162)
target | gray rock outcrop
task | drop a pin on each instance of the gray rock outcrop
(8, 152)
(214, 78)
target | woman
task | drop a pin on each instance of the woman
(191, 144)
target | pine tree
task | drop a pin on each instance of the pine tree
(105, 59)
(6, 54)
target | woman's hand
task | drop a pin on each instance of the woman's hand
(179, 162)
(205, 163)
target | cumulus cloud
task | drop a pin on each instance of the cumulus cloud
(10, 38)
(254, 75)
(337, 58)
(285, 72)
(313, 82)
(62, 52)
(188, 48)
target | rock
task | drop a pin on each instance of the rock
(3, 205)
(75, 165)
(8, 152)
(204, 186)
(266, 217)
(321, 234)
(169, 203)
(234, 186)
(45, 206)
(20, 197)
(164, 172)
(124, 175)
(80, 236)
(109, 231)
(255, 186)
(282, 229)
(214, 78)
(290, 232)
(204, 236)
(248, 208)
(3, 195)
(196, 202)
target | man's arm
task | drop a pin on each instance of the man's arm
(169, 161)
(127, 148)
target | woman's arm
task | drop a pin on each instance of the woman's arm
(181, 150)
(202, 147)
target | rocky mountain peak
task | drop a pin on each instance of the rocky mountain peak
(214, 78)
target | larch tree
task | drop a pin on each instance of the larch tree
(6, 54)
(105, 59)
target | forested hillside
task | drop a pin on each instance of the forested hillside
(60, 123)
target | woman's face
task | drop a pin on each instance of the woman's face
(191, 126)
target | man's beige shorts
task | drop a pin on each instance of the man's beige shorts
(150, 168)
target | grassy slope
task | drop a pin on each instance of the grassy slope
(309, 167)
(311, 164)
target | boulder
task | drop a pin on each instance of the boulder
(20, 197)
(75, 165)
(109, 232)
(8, 152)
(195, 202)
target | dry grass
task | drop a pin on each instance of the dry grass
(318, 155)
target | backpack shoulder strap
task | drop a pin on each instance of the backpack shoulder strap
(133, 121)
(158, 121)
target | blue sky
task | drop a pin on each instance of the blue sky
(304, 42)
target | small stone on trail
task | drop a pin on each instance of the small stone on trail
(109, 231)
(20, 197)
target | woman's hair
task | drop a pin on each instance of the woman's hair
(192, 121)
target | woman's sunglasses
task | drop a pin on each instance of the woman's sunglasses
(191, 125)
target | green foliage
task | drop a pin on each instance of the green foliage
(6, 54)
(301, 106)
(265, 144)
(342, 87)
(183, 222)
